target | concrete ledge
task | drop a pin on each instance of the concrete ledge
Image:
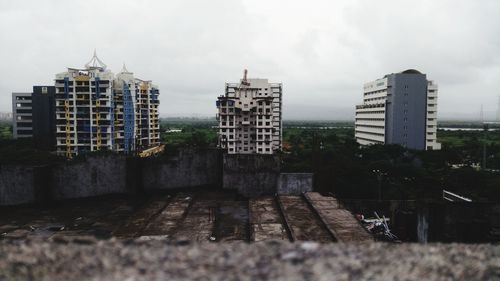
(87, 259)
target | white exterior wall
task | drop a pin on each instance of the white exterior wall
(370, 115)
(253, 124)
(431, 121)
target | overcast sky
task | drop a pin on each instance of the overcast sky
(322, 51)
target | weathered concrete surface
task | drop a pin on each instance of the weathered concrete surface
(265, 220)
(251, 175)
(303, 222)
(338, 220)
(190, 168)
(96, 175)
(295, 183)
(134, 226)
(16, 185)
(169, 218)
(159, 260)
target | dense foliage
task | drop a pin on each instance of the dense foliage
(5, 130)
(340, 165)
(350, 171)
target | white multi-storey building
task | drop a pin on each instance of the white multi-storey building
(96, 110)
(250, 117)
(400, 108)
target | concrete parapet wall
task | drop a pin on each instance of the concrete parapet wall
(96, 175)
(295, 183)
(100, 174)
(16, 185)
(252, 175)
(187, 169)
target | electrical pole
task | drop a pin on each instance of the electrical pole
(498, 110)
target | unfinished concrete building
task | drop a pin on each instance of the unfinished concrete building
(97, 111)
(250, 117)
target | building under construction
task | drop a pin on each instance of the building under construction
(250, 117)
(96, 110)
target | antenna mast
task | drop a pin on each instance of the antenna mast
(244, 81)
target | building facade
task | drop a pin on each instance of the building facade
(22, 115)
(34, 116)
(250, 117)
(400, 108)
(44, 118)
(96, 110)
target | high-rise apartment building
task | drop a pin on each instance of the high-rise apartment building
(249, 116)
(44, 118)
(400, 108)
(96, 110)
(34, 116)
(22, 115)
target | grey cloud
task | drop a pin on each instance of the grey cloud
(323, 51)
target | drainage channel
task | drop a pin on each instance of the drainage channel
(232, 221)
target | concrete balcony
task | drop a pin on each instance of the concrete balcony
(370, 130)
(380, 123)
(369, 136)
